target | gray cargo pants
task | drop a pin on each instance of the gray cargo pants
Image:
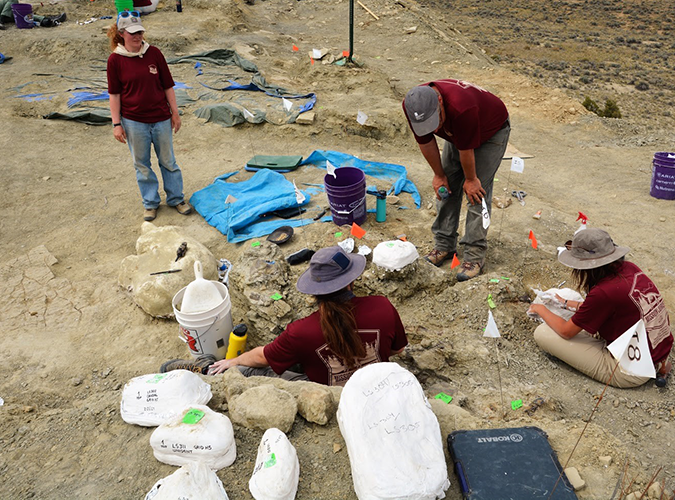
(488, 158)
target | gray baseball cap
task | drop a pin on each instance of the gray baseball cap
(130, 24)
(591, 248)
(423, 109)
(331, 269)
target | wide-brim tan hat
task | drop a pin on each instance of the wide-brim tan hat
(591, 248)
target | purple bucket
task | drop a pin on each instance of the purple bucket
(347, 195)
(23, 15)
(665, 158)
(663, 181)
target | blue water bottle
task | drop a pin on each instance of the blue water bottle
(381, 207)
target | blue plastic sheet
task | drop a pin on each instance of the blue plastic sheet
(397, 174)
(102, 95)
(252, 86)
(241, 220)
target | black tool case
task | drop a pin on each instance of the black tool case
(507, 464)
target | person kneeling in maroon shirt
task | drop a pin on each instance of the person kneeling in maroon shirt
(343, 335)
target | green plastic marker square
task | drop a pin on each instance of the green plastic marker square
(495, 180)
(505, 278)
(194, 415)
(491, 302)
(446, 398)
(157, 378)
(276, 296)
(494, 280)
(255, 244)
(270, 462)
(518, 403)
(338, 234)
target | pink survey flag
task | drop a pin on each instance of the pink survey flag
(631, 350)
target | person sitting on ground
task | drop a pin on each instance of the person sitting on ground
(618, 295)
(7, 16)
(345, 334)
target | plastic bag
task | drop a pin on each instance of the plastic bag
(151, 400)
(548, 299)
(394, 255)
(277, 470)
(193, 481)
(392, 435)
(198, 434)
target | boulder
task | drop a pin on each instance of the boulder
(316, 403)
(156, 251)
(264, 407)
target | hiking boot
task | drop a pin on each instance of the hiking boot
(183, 208)
(199, 365)
(149, 214)
(469, 270)
(437, 257)
(662, 375)
(59, 19)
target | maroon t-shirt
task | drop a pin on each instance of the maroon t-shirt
(379, 326)
(616, 304)
(472, 114)
(141, 82)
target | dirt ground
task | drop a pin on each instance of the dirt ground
(72, 212)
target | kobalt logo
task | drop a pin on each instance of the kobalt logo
(514, 438)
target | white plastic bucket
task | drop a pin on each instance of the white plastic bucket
(205, 332)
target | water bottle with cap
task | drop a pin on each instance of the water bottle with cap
(443, 192)
(200, 295)
(381, 207)
(237, 343)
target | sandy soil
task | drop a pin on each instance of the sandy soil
(72, 212)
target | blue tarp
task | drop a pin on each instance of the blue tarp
(268, 191)
(397, 174)
(241, 220)
(102, 95)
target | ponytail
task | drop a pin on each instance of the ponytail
(338, 326)
(115, 37)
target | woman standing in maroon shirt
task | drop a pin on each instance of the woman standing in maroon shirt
(144, 111)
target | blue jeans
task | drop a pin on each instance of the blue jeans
(140, 136)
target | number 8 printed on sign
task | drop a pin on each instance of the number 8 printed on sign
(628, 349)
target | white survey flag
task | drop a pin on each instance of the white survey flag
(485, 214)
(287, 104)
(361, 117)
(330, 168)
(632, 352)
(491, 329)
(299, 196)
(517, 164)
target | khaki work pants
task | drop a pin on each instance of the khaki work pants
(586, 354)
(488, 158)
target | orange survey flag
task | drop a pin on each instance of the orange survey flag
(295, 48)
(455, 262)
(357, 230)
(533, 239)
